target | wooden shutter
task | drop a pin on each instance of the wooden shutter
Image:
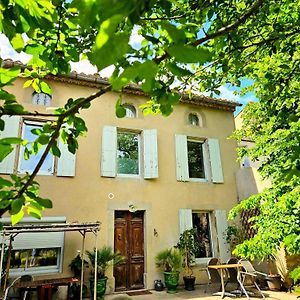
(185, 219)
(222, 225)
(182, 169)
(66, 163)
(150, 154)
(215, 160)
(12, 125)
(109, 151)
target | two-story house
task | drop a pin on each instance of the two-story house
(146, 178)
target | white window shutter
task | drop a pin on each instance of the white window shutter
(109, 151)
(222, 225)
(11, 129)
(215, 160)
(66, 163)
(185, 219)
(182, 169)
(150, 154)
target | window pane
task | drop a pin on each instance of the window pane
(130, 111)
(128, 153)
(29, 165)
(195, 158)
(201, 224)
(193, 120)
(32, 258)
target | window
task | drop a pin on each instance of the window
(15, 161)
(198, 159)
(211, 227)
(128, 153)
(201, 222)
(38, 252)
(195, 159)
(41, 99)
(193, 119)
(29, 164)
(130, 111)
(122, 151)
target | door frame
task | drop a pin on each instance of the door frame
(148, 233)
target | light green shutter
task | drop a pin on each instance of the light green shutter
(66, 163)
(215, 160)
(222, 225)
(185, 219)
(109, 151)
(12, 125)
(150, 154)
(182, 170)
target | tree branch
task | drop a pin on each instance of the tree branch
(231, 27)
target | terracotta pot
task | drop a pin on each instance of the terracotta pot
(274, 282)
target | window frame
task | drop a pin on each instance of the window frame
(205, 158)
(138, 134)
(22, 149)
(42, 269)
(192, 115)
(204, 260)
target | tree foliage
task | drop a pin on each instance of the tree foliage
(187, 45)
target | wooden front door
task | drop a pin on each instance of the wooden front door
(129, 241)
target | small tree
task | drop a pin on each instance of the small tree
(188, 245)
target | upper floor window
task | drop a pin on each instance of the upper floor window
(16, 162)
(128, 153)
(130, 111)
(122, 151)
(28, 165)
(193, 119)
(195, 159)
(198, 159)
(41, 99)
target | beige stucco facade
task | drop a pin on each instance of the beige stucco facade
(88, 196)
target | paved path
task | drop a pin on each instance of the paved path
(198, 294)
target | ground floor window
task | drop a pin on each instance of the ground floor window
(38, 252)
(202, 224)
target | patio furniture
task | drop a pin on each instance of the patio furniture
(232, 274)
(222, 268)
(249, 276)
(213, 274)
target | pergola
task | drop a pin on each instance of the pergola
(10, 232)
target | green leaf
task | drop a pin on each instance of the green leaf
(4, 95)
(17, 42)
(33, 212)
(43, 139)
(55, 150)
(177, 35)
(16, 205)
(7, 76)
(180, 72)
(45, 88)
(11, 140)
(27, 83)
(190, 54)
(5, 150)
(47, 203)
(17, 217)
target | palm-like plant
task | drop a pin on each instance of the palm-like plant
(169, 259)
(105, 257)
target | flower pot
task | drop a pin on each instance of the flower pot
(100, 287)
(171, 281)
(189, 282)
(274, 282)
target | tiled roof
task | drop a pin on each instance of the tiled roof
(95, 80)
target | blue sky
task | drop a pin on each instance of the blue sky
(226, 91)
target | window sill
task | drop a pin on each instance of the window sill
(128, 176)
(198, 180)
(34, 271)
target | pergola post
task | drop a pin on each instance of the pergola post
(82, 264)
(96, 265)
(2, 257)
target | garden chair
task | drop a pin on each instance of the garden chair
(23, 293)
(249, 276)
(213, 274)
(232, 274)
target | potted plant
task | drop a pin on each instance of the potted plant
(188, 245)
(76, 266)
(274, 281)
(171, 262)
(105, 257)
(295, 276)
